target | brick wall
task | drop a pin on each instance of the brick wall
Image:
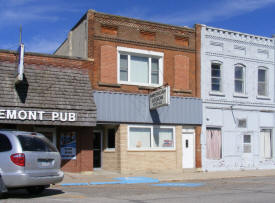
(131, 162)
(84, 157)
(143, 35)
(110, 158)
(108, 64)
(47, 60)
(181, 66)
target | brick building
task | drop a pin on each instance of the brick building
(54, 98)
(131, 58)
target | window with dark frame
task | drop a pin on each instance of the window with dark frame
(111, 138)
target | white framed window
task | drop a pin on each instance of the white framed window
(216, 77)
(266, 143)
(140, 67)
(247, 143)
(239, 79)
(151, 137)
(262, 82)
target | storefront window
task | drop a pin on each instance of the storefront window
(111, 139)
(140, 138)
(163, 137)
(151, 137)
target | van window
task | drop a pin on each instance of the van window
(5, 144)
(36, 144)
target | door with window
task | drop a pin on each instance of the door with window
(97, 148)
(188, 150)
(247, 155)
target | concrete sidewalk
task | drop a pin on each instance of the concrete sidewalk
(102, 176)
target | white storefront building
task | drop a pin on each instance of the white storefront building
(237, 90)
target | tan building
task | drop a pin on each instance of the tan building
(131, 59)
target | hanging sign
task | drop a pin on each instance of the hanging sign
(159, 98)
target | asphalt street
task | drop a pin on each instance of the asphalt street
(256, 189)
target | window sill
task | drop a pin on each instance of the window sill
(151, 150)
(143, 85)
(108, 85)
(182, 91)
(110, 150)
(146, 88)
(263, 97)
(220, 94)
(240, 95)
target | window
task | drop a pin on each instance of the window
(5, 144)
(216, 77)
(239, 79)
(163, 137)
(151, 137)
(213, 143)
(242, 123)
(111, 138)
(140, 67)
(266, 143)
(247, 144)
(262, 82)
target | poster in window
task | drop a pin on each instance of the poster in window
(68, 145)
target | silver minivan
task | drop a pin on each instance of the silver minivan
(28, 160)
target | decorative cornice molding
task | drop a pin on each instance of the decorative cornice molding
(246, 103)
(239, 41)
(239, 58)
(98, 37)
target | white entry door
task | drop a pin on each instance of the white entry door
(188, 150)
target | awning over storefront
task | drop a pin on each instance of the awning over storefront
(48, 95)
(134, 108)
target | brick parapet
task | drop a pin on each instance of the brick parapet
(45, 59)
(138, 34)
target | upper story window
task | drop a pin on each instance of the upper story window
(239, 79)
(242, 123)
(262, 82)
(140, 67)
(216, 77)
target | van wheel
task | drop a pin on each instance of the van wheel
(35, 190)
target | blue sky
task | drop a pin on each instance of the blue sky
(46, 22)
